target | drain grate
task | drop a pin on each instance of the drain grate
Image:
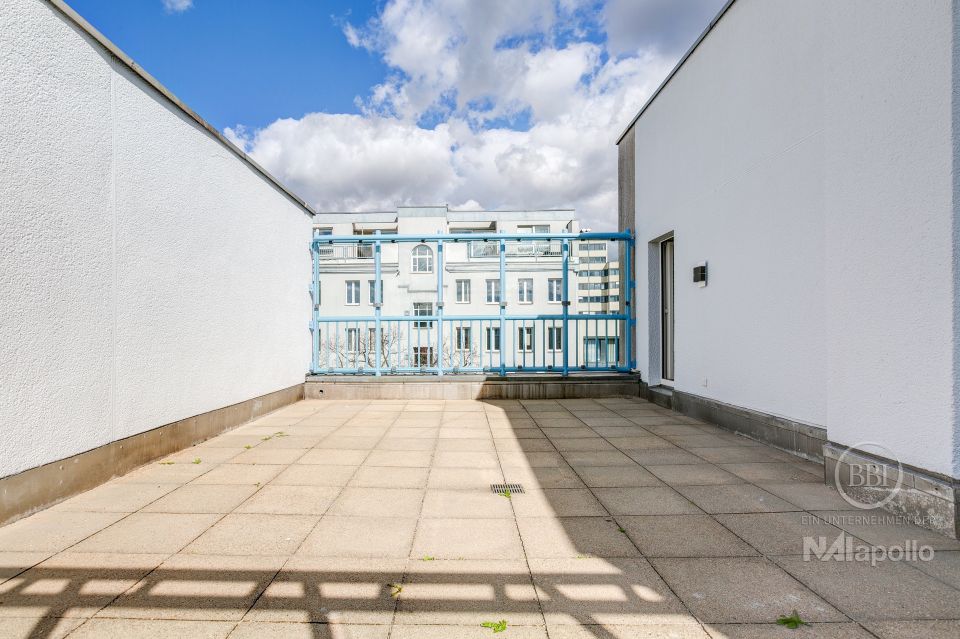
(501, 489)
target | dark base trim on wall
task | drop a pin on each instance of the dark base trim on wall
(798, 438)
(41, 487)
(540, 386)
(920, 497)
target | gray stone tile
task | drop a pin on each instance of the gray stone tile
(886, 590)
(390, 477)
(912, 629)
(152, 629)
(197, 587)
(759, 593)
(465, 504)
(572, 537)
(290, 500)
(694, 475)
(779, 533)
(253, 535)
(740, 498)
(53, 531)
(657, 500)
(467, 539)
(839, 630)
(881, 528)
(360, 537)
(314, 475)
(617, 476)
(159, 533)
(557, 502)
(72, 584)
(809, 496)
(624, 592)
(468, 593)
(331, 590)
(663, 456)
(944, 566)
(378, 502)
(202, 498)
(771, 472)
(683, 536)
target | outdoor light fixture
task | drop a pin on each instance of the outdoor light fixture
(700, 274)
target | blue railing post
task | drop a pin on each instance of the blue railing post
(439, 308)
(377, 303)
(631, 321)
(565, 302)
(315, 310)
(503, 306)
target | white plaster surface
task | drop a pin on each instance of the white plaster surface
(805, 151)
(147, 274)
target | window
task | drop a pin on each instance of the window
(373, 291)
(601, 351)
(525, 339)
(525, 290)
(593, 246)
(555, 290)
(325, 230)
(493, 291)
(555, 338)
(423, 356)
(462, 338)
(533, 228)
(353, 292)
(421, 259)
(422, 309)
(463, 291)
(353, 340)
(493, 339)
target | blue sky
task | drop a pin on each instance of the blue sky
(367, 105)
(245, 61)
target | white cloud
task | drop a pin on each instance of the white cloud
(177, 6)
(471, 66)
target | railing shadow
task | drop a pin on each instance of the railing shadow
(592, 590)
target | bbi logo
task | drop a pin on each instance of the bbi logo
(868, 484)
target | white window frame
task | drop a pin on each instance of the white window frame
(525, 290)
(425, 323)
(523, 344)
(353, 345)
(462, 339)
(353, 293)
(491, 332)
(554, 338)
(373, 291)
(494, 289)
(421, 259)
(463, 291)
(555, 290)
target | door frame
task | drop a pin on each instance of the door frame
(667, 310)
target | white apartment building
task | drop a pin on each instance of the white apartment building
(471, 288)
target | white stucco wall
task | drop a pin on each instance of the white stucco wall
(147, 273)
(805, 151)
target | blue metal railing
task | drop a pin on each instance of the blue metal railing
(498, 343)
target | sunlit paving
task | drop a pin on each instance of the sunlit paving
(357, 519)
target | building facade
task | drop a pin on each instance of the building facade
(795, 210)
(471, 289)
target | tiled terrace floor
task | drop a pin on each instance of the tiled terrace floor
(636, 522)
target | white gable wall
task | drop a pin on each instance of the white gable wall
(804, 152)
(147, 273)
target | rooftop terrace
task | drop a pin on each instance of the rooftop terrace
(376, 519)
